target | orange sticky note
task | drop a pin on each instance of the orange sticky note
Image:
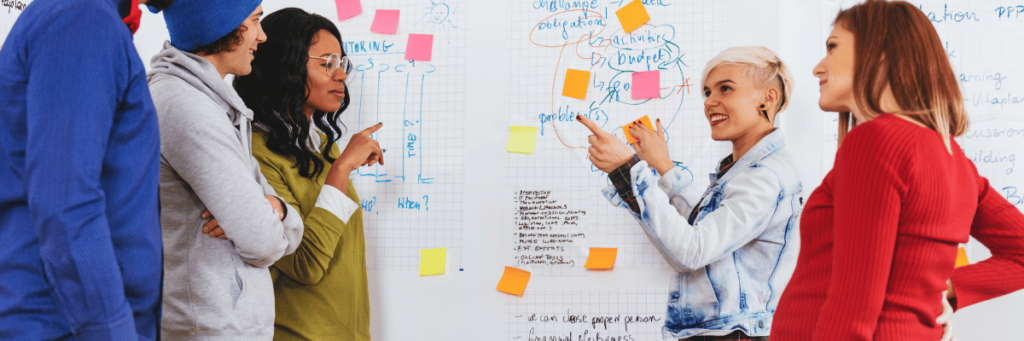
(601, 258)
(629, 137)
(632, 15)
(576, 83)
(961, 258)
(513, 281)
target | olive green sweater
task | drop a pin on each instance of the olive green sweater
(321, 289)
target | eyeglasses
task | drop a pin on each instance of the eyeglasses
(335, 62)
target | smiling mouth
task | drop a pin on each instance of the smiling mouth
(718, 118)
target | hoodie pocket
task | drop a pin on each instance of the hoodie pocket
(238, 290)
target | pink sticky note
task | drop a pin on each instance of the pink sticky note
(646, 84)
(419, 47)
(385, 21)
(348, 8)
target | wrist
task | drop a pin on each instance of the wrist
(284, 209)
(337, 177)
(342, 165)
(662, 166)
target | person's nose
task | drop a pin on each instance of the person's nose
(819, 70)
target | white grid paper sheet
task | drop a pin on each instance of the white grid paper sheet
(679, 40)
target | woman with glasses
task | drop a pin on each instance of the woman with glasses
(297, 91)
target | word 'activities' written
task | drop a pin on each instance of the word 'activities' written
(611, 62)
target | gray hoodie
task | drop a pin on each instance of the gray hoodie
(214, 289)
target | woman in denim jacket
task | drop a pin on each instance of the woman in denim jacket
(736, 245)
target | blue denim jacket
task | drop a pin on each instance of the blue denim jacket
(738, 256)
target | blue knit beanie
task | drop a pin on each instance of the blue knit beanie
(197, 23)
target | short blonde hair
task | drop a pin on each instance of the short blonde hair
(762, 66)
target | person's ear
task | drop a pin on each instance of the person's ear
(769, 101)
(770, 98)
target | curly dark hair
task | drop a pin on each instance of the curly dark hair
(276, 90)
(226, 43)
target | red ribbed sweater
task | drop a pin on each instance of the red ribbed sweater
(879, 239)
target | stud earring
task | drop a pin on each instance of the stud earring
(765, 113)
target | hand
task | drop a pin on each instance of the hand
(211, 227)
(276, 204)
(946, 319)
(360, 151)
(651, 146)
(607, 152)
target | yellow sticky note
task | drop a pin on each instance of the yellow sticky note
(601, 258)
(629, 137)
(961, 258)
(432, 261)
(632, 15)
(513, 281)
(575, 85)
(522, 140)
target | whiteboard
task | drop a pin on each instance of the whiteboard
(449, 183)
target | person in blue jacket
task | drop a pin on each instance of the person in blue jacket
(733, 247)
(79, 159)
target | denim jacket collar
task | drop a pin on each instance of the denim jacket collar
(768, 145)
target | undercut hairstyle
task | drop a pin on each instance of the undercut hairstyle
(896, 47)
(226, 43)
(277, 90)
(761, 65)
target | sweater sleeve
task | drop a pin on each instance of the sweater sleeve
(71, 106)
(1000, 227)
(335, 201)
(321, 236)
(868, 191)
(292, 222)
(621, 179)
(202, 146)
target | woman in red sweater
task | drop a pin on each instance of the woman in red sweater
(879, 236)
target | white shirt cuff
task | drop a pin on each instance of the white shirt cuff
(336, 202)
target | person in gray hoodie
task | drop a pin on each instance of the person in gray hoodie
(214, 288)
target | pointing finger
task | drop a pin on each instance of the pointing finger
(373, 129)
(590, 124)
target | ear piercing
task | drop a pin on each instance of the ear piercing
(765, 113)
